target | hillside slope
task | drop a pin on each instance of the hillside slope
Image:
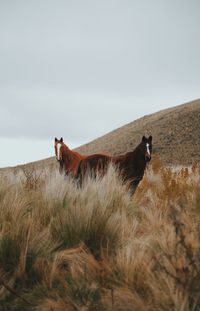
(175, 131)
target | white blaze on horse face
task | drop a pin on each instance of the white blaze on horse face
(148, 150)
(58, 151)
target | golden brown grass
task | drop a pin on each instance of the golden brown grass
(96, 248)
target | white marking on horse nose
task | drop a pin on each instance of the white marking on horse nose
(148, 151)
(58, 150)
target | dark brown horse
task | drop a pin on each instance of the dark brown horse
(130, 165)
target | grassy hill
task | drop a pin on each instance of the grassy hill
(175, 131)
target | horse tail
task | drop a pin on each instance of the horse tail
(101, 165)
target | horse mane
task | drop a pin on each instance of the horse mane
(70, 154)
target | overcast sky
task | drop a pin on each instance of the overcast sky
(80, 68)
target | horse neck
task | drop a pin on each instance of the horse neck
(137, 159)
(70, 154)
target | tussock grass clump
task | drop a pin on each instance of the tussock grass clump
(93, 215)
(63, 247)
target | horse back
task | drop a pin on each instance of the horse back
(93, 164)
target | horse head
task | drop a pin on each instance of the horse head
(64, 156)
(147, 147)
(58, 145)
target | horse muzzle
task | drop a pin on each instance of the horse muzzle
(147, 157)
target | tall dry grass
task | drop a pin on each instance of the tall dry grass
(97, 248)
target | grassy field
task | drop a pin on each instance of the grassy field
(96, 248)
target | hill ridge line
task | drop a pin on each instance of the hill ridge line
(169, 127)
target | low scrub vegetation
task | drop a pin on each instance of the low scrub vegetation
(97, 248)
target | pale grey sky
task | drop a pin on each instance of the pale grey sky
(80, 69)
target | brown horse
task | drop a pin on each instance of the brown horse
(68, 159)
(130, 165)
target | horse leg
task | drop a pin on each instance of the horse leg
(133, 186)
(79, 175)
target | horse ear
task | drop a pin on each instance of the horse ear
(150, 138)
(143, 139)
(56, 139)
(61, 139)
